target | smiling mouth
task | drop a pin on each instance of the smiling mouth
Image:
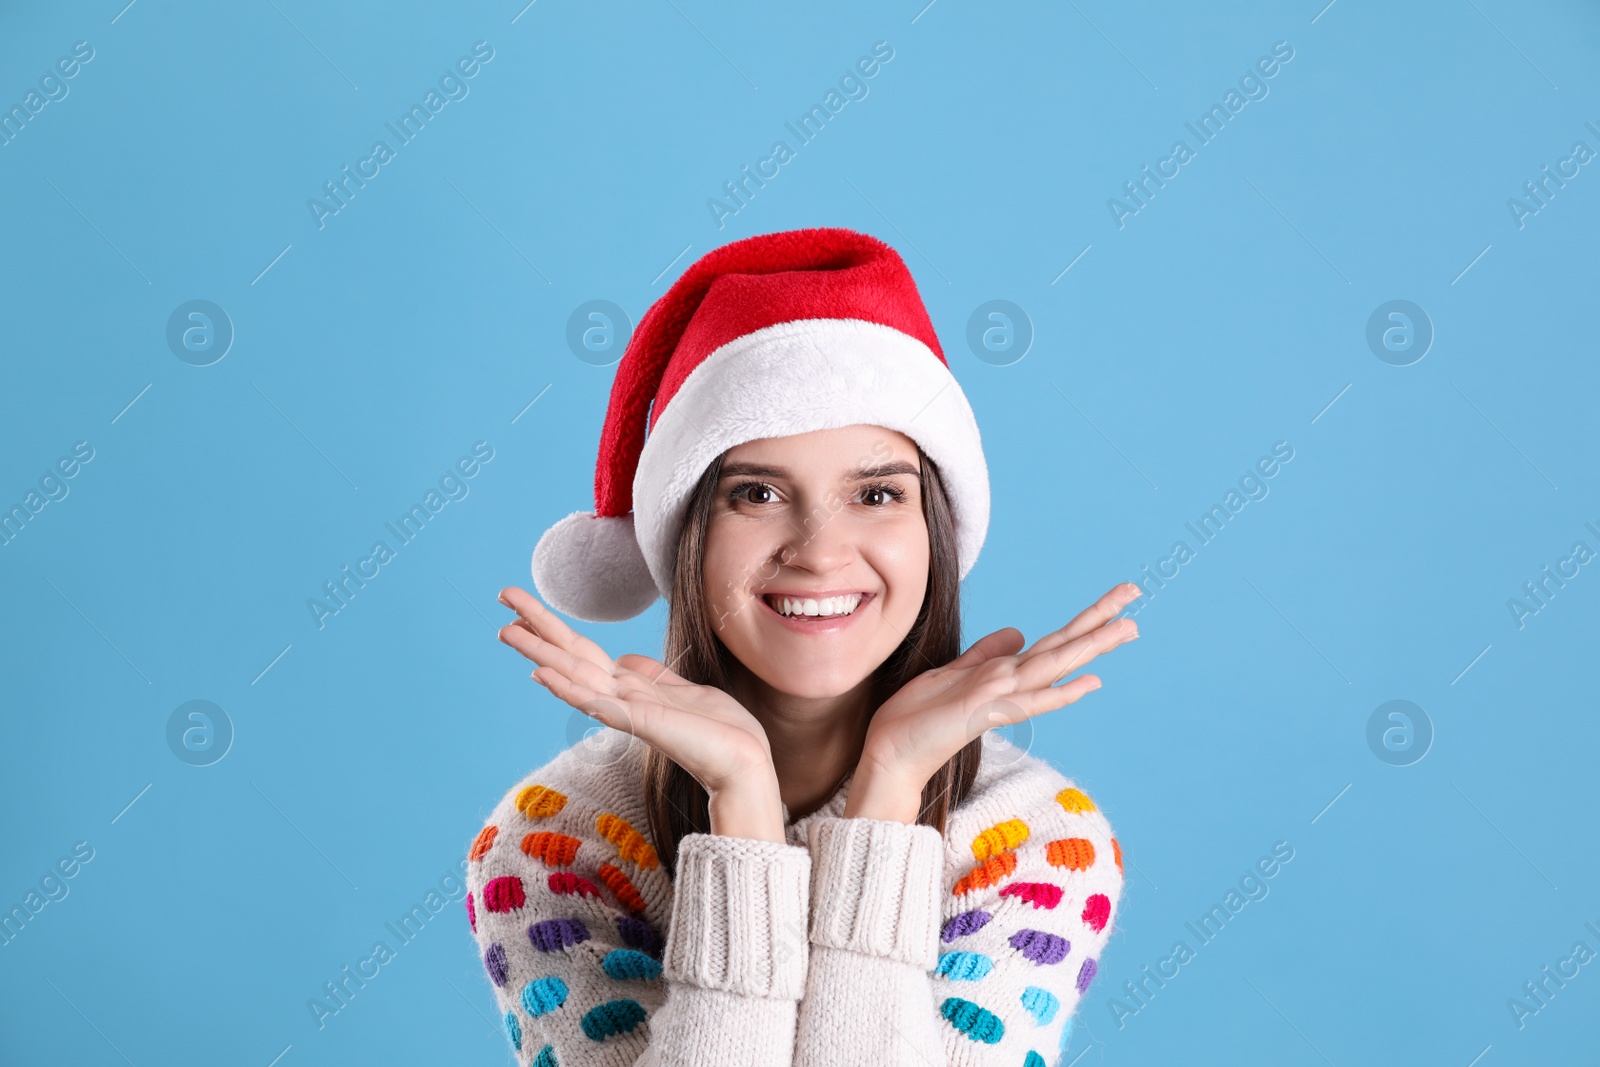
(830, 607)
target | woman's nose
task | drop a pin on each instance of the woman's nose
(819, 541)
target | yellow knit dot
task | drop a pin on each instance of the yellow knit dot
(999, 837)
(1074, 800)
(540, 801)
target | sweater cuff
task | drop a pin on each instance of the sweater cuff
(875, 888)
(738, 922)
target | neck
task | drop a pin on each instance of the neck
(815, 741)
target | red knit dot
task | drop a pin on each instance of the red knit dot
(565, 882)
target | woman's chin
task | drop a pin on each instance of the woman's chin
(799, 684)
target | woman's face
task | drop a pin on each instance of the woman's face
(816, 556)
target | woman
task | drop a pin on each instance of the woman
(796, 845)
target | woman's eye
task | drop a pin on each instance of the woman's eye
(754, 493)
(879, 495)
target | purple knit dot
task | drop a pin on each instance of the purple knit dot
(494, 961)
(1086, 975)
(1041, 947)
(636, 933)
(968, 922)
(555, 934)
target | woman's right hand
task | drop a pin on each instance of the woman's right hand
(699, 727)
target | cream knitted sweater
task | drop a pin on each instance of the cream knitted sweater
(858, 941)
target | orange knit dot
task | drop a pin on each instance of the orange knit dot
(540, 801)
(618, 883)
(1073, 853)
(999, 837)
(1116, 850)
(1074, 800)
(480, 846)
(557, 850)
(987, 873)
(631, 845)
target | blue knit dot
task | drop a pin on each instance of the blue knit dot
(973, 1021)
(1033, 1060)
(612, 1017)
(544, 995)
(626, 964)
(545, 1058)
(1041, 1004)
(1066, 1034)
(514, 1031)
(964, 966)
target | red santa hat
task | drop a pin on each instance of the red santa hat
(772, 335)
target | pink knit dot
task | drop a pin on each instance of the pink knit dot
(1039, 894)
(1097, 911)
(472, 914)
(503, 894)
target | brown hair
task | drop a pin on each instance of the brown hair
(675, 803)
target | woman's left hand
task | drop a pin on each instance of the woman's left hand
(990, 684)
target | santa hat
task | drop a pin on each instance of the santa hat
(772, 335)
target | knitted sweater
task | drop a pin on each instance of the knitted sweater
(857, 941)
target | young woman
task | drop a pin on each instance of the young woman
(796, 845)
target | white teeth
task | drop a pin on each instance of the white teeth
(828, 605)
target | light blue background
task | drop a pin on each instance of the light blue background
(1228, 314)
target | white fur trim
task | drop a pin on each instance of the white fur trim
(795, 377)
(590, 568)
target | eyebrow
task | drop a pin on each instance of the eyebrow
(758, 470)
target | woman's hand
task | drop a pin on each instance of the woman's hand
(990, 684)
(701, 728)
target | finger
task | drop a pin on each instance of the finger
(644, 717)
(1003, 642)
(632, 684)
(546, 654)
(581, 697)
(653, 669)
(1050, 698)
(1049, 667)
(546, 624)
(1095, 615)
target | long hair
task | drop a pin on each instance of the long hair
(675, 803)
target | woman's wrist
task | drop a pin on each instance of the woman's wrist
(750, 808)
(876, 793)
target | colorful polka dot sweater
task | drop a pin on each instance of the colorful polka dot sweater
(857, 941)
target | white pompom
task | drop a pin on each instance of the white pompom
(592, 568)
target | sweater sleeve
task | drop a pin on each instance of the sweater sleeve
(983, 965)
(564, 901)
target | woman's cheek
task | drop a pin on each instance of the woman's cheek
(900, 553)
